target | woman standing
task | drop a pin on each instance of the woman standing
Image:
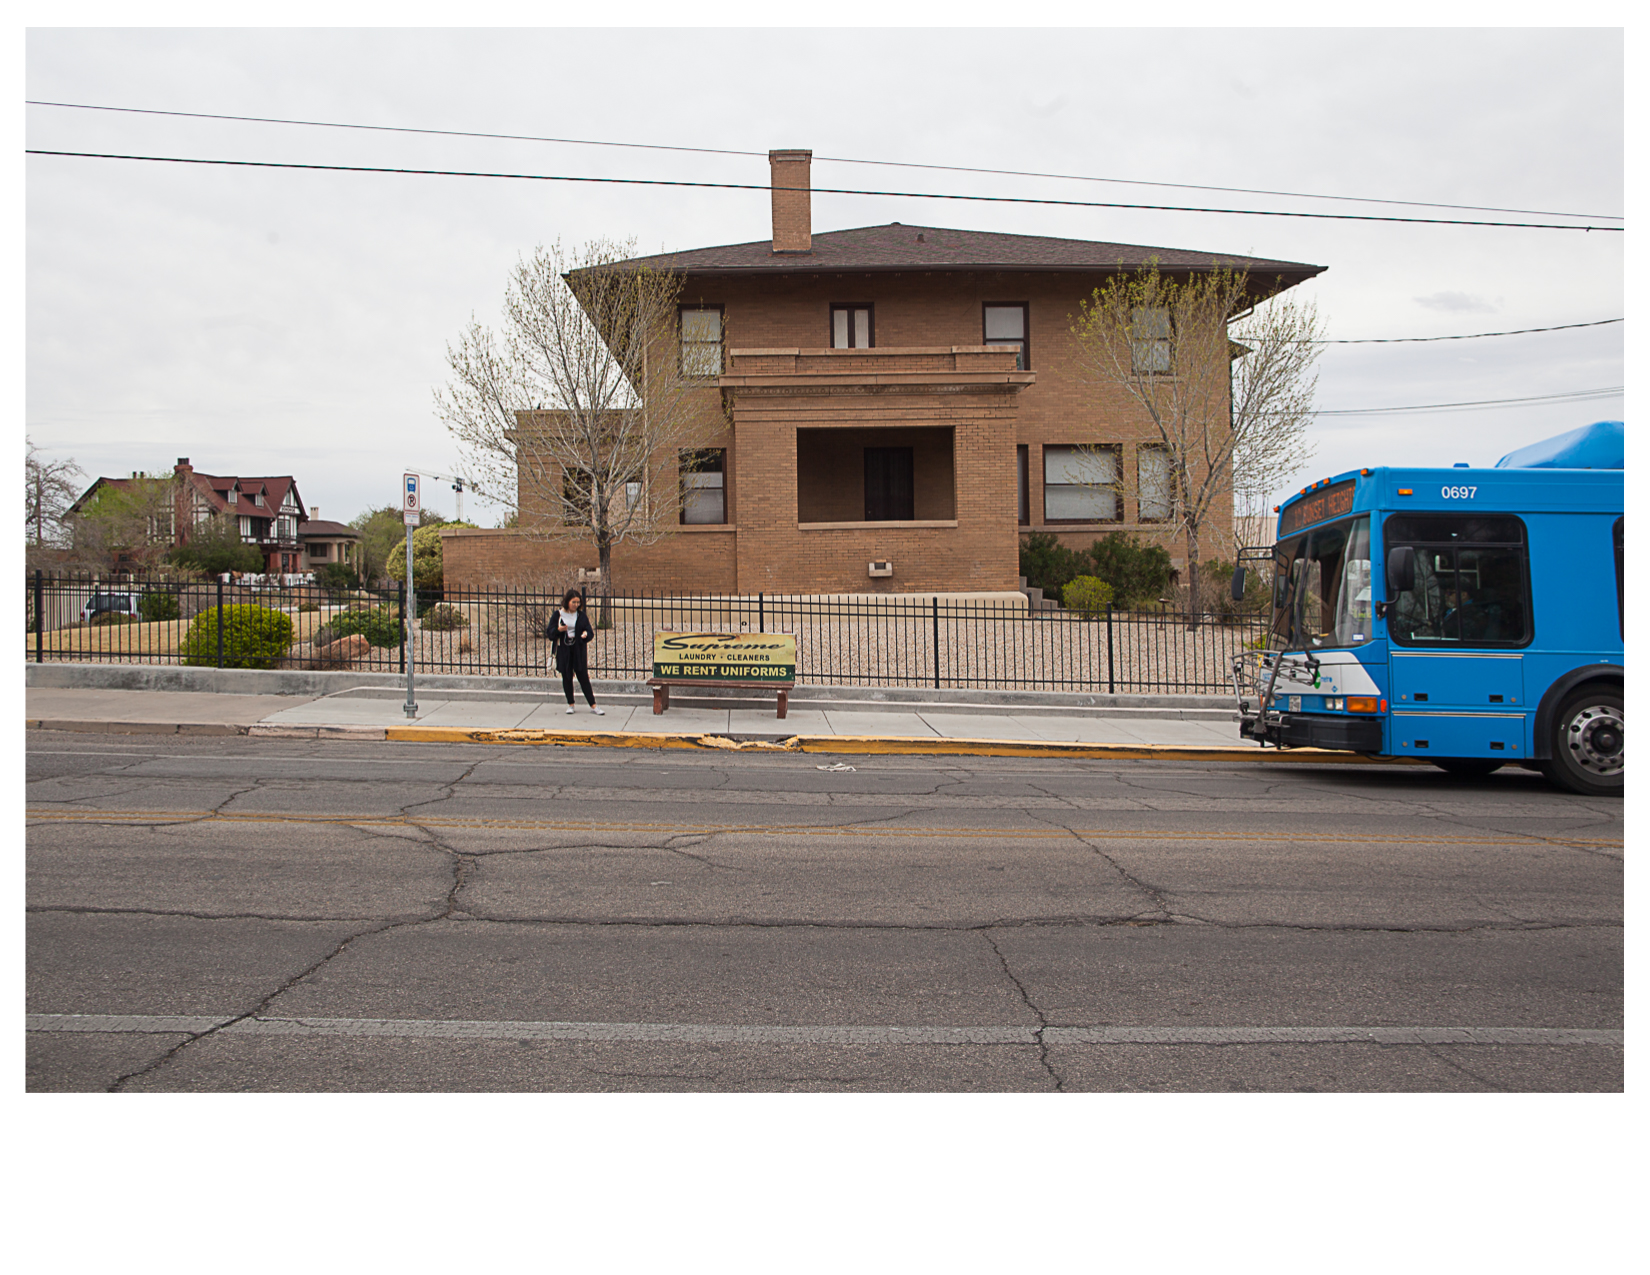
(570, 630)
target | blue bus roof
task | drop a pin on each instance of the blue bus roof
(1601, 445)
(1513, 486)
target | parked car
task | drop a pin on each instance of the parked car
(110, 603)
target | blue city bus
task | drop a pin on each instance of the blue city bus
(1469, 617)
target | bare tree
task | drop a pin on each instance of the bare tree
(1223, 366)
(51, 487)
(580, 404)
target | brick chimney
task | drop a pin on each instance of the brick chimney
(792, 210)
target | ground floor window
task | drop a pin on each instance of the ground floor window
(1156, 483)
(1022, 464)
(704, 486)
(1080, 483)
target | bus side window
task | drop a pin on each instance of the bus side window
(1490, 596)
(1471, 581)
(1621, 612)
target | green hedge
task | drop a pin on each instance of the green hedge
(158, 606)
(253, 637)
(378, 625)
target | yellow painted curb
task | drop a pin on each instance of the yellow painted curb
(884, 745)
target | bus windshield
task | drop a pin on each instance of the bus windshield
(1323, 589)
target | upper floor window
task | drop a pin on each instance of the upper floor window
(258, 498)
(851, 327)
(1007, 325)
(704, 485)
(702, 340)
(1151, 339)
(233, 496)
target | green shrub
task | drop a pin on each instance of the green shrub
(253, 637)
(337, 575)
(1087, 596)
(378, 625)
(1215, 584)
(1047, 564)
(309, 604)
(158, 606)
(1138, 574)
(114, 617)
(442, 617)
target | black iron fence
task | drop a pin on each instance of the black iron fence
(892, 640)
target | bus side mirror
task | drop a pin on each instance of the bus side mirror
(1237, 584)
(1400, 570)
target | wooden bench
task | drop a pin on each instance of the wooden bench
(661, 689)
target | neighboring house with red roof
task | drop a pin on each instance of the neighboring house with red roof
(268, 510)
(903, 404)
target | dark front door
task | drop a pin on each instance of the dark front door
(890, 490)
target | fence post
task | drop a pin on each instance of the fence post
(936, 603)
(401, 618)
(761, 613)
(39, 618)
(220, 622)
(1111, 657)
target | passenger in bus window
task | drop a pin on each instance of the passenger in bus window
(1418, 615)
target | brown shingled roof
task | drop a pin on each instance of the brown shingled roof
(899, 247)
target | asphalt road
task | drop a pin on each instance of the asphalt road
(237, 914)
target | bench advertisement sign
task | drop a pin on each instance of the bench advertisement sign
(732, 657)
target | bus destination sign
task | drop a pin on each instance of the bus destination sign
(1331, 502)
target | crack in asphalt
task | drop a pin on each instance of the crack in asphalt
(1434, 1051)
(1042, 1019)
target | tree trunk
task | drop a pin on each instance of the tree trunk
(604, 551)
(1196, 601)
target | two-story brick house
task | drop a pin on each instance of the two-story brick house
(903, 403)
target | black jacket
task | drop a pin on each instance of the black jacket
(569, 645)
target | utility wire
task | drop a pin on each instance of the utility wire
(824, 159)
(1470, 336)
(819, 190)
(1609, 391)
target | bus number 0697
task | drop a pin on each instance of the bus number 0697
(1459, 493)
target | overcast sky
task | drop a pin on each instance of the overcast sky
(289, 322)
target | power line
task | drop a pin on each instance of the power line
(818, 190)
(827, 159)
(824, 159)
(1573, 396)
(1470, 336)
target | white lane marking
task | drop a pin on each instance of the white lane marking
(698, 1034)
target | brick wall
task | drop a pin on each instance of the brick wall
(929, 371)
(691, 560)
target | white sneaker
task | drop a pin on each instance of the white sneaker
(570, 710)
(599, 712)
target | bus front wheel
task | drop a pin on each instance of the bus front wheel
(1468, 767)
(1587, 742)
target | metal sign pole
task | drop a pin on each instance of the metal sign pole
(409, 516)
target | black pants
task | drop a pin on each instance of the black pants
(573, 665)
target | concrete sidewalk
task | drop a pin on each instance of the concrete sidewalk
(368, 712)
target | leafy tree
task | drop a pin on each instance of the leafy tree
(50, 488)
(215, 546)
(337, 575)
(1223, 366)
(427, 566)
(383, 535)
